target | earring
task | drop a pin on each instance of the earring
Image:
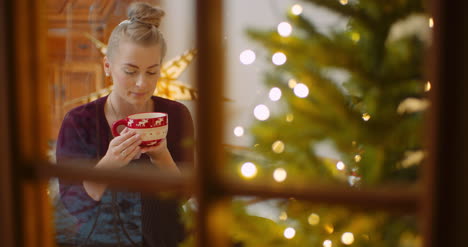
(107, 74)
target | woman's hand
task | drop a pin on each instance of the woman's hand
(122, 149)
(160, 156)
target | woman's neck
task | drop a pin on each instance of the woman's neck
(120, 108)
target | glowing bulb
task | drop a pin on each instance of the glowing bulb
(289, 233)
(431, 22)
(247, 57)
(280, 175)
(238, 131)
(327, 243)
(357, 157)
(284, 29)
(261, 112)
(313, 219)
(296, 9)
(427, 87)
(289, 117)
(355, 37)
(344, 2)
(249, 170)
(340, 165)
(277, 146)
(278, 58)
(347, 238)
(366, 117)
(292, 83)
(301, 90)
(329, 228)
(275, 94)
(283, 216)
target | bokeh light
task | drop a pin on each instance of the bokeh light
(284, 29)
(347, 238)
(247, 57)
(366, 117)
(327, 243)
(261, 112)
(279, 58)
(238, 131)
(248, 170)
(280, 175)
(344, 2)
(277, 146)
(275, 94)
(289, 233)
(340, 165)
(301, 90)
(313, 219)
(296, 9)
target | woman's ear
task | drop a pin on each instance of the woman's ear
(106, 66)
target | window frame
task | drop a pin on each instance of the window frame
(24, 170)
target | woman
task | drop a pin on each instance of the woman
(135, 52)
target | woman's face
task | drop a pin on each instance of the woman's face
(135, 70)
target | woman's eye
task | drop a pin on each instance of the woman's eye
(151, 73)
(128, 72)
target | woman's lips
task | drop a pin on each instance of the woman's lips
(138, 94)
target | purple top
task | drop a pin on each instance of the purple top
(85, 136)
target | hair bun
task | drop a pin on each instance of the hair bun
(145, 13)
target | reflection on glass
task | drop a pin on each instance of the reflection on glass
(100, 87)
(335, 97)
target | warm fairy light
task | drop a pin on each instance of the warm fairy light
(280, 175)
(296, 9)
(277, 146)
(329, 228)
(278, 58)
(301, 90)
(292, 83)
(275, 94)
(427, 87)
(366, 117)
(248, 170)
(340, 165)
(344, 2)
(357, 157)
(247, 57)
(431, 22)
(284, 29)
(283, 216)
(261, 112)
(355, 36)
(238, 131)
(313, 219)
(327, 243)
(289, 117)
(347, 238)
(289, 233)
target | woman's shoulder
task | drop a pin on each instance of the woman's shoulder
(86, 111)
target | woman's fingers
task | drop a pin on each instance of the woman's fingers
(134, 140)
(122, 138)
(130, 152)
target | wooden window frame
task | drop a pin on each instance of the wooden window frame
(24, 170)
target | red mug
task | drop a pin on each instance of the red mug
(151, 126)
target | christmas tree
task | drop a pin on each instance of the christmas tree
(359, 91)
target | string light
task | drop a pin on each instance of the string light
(284, 29)
(431, 22)
(329, 228)
(280, 175)
(261, 112)
(275, 94)
(292, 83)
(327, 243)
(344, 2)
(366, 117)
(427, 86)
(301, 90)
(357, 157)
(340, 165)
(283, 216)
(279, 58)
(289, 117)
(355, 37)
(347, 238)
(296, 9)
(277, 146)
(238, 131)
(313, 219)
(247, 57)
(289, 233)
(249, 170)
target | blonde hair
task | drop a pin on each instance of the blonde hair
(142, 27)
